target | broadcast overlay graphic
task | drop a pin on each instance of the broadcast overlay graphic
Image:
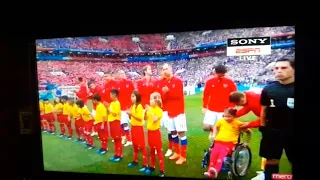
(181, 104)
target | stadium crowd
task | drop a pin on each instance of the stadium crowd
(194, 70)
(158, 41)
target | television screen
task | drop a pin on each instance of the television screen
(178, 104)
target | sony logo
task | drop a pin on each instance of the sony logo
(249, 41)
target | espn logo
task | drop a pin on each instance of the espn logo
(248, 50)
(249, 46)
(281, 176)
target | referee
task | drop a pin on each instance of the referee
(277, 100)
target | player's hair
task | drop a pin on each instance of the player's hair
(107, 72)
(55, 102)
(235, 97)
(64, 98)
(80, 79)
(96, 97)
(220, 69)
(144, 69)
(231, 111)
(115, 92)
(290, 60)
(90, 82)
(138, 97)
(71, 100)
(80, 103)
(157, 98)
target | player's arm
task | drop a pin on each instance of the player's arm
(265, 102)
(206, 95)
(90, 94)
(131, 86)
(138, 115)
(243, 111)
(138, 86)
(254, 124)
(248, 135)
(233, 86)
(82, 92)
(177, 92)
(70, 114)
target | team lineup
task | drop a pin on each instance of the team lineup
(120, 110)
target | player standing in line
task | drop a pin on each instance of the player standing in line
(136, 114)
(177, 122)
(277, 100)
(88, 123)
(250, 101)
(82, 93)
(216, 97)
(65, 118)
(146, 86)
(44, 124)
(58, 109)
(125, 87)
(153, 116)
(75, 117)
(114, 115)
(109, 84)
(100, 123)
(94, 89)
(165, 118)
(49, 116)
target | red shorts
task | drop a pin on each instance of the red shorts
(115, 129)
(154, 139)
(42, 117)
(88, 125)
(137, 135)
(49, 117)
(60, 118)
(79, 123)
(64, 119)
(97, 127)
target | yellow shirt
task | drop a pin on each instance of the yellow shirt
(41, 106)
(58, 107)
(66, 109)
(48, 108)
(137, 111)
(101, 113)
(151, 124)
(228, 131)
(114, 108)
(74, 113)
(85, 114)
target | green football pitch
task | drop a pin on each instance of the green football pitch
(68, 156)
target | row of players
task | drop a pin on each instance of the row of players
(107, 122)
